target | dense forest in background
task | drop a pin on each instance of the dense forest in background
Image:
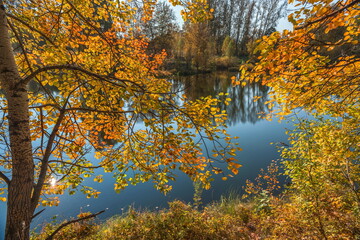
(218, 43)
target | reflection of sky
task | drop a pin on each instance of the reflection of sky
(257, 153)
(2, 219)
(255, 135)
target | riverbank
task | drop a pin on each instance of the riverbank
(264, 216)
(181, 67)
(227, 219)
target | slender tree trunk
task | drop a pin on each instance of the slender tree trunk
(19, 210)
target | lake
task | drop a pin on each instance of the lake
(255, 135)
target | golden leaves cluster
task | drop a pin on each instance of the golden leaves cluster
(316, 65)
(92, 83)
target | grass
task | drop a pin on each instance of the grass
(227, 219)
(262, 217)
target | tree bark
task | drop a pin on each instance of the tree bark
(20, 187)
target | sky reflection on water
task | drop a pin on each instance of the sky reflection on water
(255, 135)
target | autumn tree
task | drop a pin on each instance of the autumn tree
(228, 47)
(161, 28)
(305, 76)
(198, 44)
(244, 20)
(158, 27)
(91, 81)
(315, 67)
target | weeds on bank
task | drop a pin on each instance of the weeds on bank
(262, 214)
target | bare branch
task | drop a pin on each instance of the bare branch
(76, 165)
(96, 110)
(44, 164)
(51, 236)
(45, 105)
(59, 67)
(38, 213)
(5, 178)
(74, 68)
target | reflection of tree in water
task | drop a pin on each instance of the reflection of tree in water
(242, 108)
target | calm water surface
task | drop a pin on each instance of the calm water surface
(255, 136)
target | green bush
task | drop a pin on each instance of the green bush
(225, 62)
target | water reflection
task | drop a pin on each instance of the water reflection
(242, 108)
(243, 121)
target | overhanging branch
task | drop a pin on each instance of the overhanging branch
(30, 27)
(75, 68)
(328, 15)
(51, 236)
(60, 67)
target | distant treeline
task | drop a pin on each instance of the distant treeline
(218, 43)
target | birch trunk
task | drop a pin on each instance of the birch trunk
(19, 211)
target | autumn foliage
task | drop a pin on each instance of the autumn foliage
(76, 81)
(315, 69)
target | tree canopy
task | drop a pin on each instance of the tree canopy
(309, 67)
(315, 68)
(74, 81)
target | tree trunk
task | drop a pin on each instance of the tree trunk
(19, 210)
